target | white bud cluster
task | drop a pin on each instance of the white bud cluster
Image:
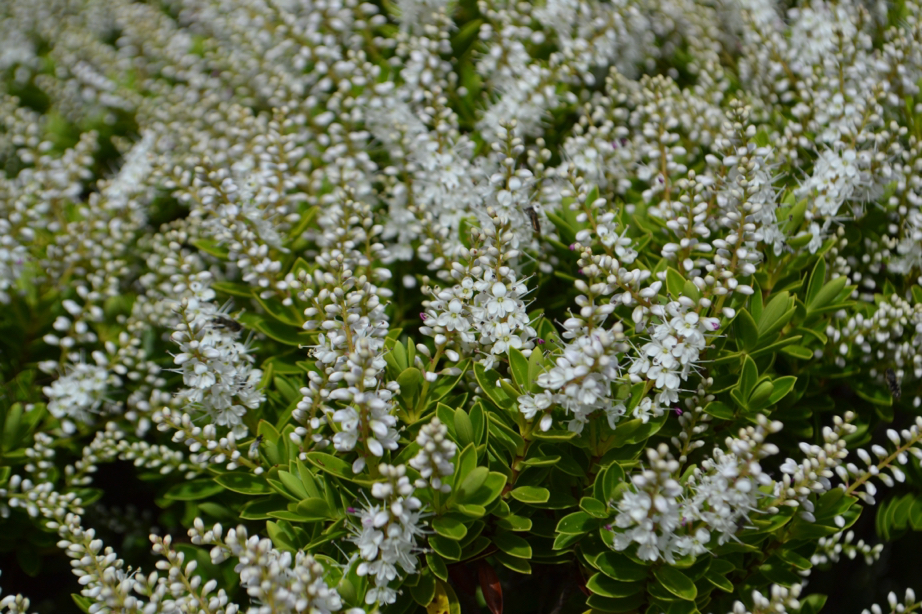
(433, 461)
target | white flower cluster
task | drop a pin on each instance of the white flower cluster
(581, 380)
(386, 535)
(672, 353)
(279, 581)
(368, 416)
(433, 461)
(908, 604)
(780, 600)
(485, 311)
(888, 337)
(669, 520)
(882, 463)
(216, 367)
(206, 445)
(80, 392)
(13, 257)
(830, 549)
(15, 604)
(348, 309)
(814, 473)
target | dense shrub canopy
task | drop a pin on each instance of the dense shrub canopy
(448, 306)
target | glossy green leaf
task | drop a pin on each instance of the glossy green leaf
(530, 494)
(424, 590)
(827, 294)
(193, 490)
(516, 564)
(746, 331)
(676, 582)
(748, 377)
(619, 567)
(330, 464)
(314, 509)
(244, 483)
(490, 382)
(448, 548)
(449, 527)
(437, 564)
(518, 367)
(601, 584)
(472, 482)
(512, 544)
(577, 523)
(513, 522)
(594, 507)
(719, 410)
(719, 581)
(464, 428)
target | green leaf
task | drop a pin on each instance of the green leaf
(449, 527)
(553, 435)
(314, 509)
(759, 397)
(469, 476)
(516, 564)
(676, 582)
(719, 410)
(746, 331)
(490, 382)
(244, 483)
(472, 510)
(606, 481)
(577, 523)
(233, 288)
(424, 591)
(719, 581)
(776, 315)
(330, 464)
(601, 584)
(289, 516)
(798, 351)
(675, 282)
(781, 387)
(193, 490)
(513, 545)
(82, 602)
(619, 567)
(273, 329)
(531, 494)
(748, 377)
(211, 247)
(828, 293)
(594, 507)
(447, 383)
(817, 279)
(409, 380)
(293, 485)
(437, 565)
(464, 428)
(448, 548)
(812, 604)
(261, 508)
(518, 367)
(513, 522)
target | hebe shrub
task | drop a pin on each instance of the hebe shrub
(452, 306)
